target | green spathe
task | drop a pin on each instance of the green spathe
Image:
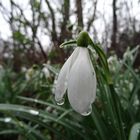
(83, 39)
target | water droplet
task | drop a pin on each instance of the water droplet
(138, 131)
(88, 112)
(35, 100)
(34, 112)
(8, 119)
(60, 102)
(49, 109)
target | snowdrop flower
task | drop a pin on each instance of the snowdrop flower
(31, 72)
(113, 63)
(77, 76)
(128, 56)
(1, 67)
(23, 69)
(46, 71)
(2, 72)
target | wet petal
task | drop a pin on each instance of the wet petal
(61, 84)
(82, 83)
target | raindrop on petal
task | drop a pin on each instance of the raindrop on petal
(88, 112)
(60, 102)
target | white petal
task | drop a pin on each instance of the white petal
(82, 83)
(46, 72)
(61, 84)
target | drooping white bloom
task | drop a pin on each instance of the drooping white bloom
(46, 71)
(29, 74)
(77, 76)
(113, 63)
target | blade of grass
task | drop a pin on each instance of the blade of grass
(134, 132)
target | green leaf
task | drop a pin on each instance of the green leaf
(134, 132)
(68, 43)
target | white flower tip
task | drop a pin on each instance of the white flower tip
(87, 112)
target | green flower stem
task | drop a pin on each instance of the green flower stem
(68, 43)
(113, 94)
(103, 60)
(118, 111)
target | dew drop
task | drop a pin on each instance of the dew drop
(7, 119)
(35, 100)
(88, 112)
(34, 112)
(60, 102)
(138, 131)
(49, 109)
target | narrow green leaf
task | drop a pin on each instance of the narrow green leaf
(134, 132)
(68, 43)
(99, 124)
